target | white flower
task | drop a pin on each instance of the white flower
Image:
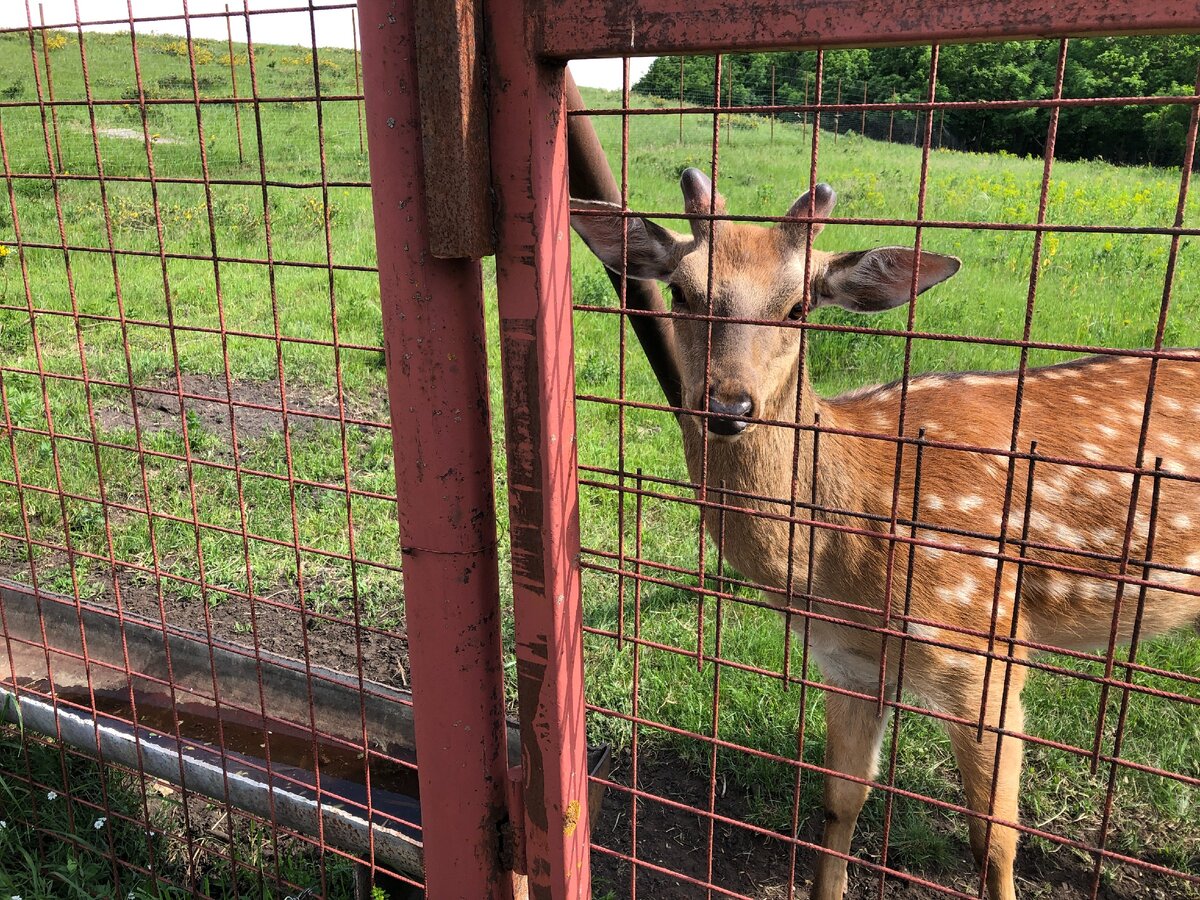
(130, 896)
(99, 823)
(3, 824)
(51, 795)
(16, 897)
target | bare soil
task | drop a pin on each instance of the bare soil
(257, 409)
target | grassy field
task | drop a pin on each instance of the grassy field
(1093, 289)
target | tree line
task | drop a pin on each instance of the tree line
(1015, 70)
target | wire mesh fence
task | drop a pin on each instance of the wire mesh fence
(787, 572)
(197, 503)
(889, 548)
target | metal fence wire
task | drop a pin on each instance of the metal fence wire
(199, 544)
(857, 604)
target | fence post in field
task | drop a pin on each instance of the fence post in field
(50, 89)
(681, 99)
(891, 117)
(804, 125)
(237, 107)
(862, 129)
(837, 116)
(437, 383)
(729, 111)
(358, 104)
(533, 278)
(772, 103)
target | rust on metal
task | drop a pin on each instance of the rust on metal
(454, 131)
(437, 379)
(594, 28)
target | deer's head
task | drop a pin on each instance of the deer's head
(756, 285)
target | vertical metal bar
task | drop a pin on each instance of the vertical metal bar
(862, 128)
(437, 382)
(634, 706)
(237, 107)
(358, 104)
(891, 118)
(533, 277)
(50, 90)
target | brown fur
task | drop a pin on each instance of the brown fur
(1088, 411)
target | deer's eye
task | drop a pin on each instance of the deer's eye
(678, 299)
(796, 312)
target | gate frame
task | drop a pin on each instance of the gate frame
(527, 45)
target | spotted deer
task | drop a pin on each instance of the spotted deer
(1089, 410)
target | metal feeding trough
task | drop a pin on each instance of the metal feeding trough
(176, 679)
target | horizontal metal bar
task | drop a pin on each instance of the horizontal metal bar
(598, 28)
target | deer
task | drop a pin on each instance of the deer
(970, 614)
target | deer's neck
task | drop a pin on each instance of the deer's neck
(770, 469)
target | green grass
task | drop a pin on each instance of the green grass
(1093, 289)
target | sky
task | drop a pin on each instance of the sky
(333, 27)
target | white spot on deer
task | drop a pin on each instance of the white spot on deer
(967, 662)
(1169, 440)
(1103, 536)
(934, 502)
(1181, 521)
(976, 380)
(1108, 431)
(970, 502)
(1069, 537)
(924, 632)
(1052, 375)
(1092, 452)
(1174, 467)
(1098, 486)
(1136, 406)
(1193, 561)
(1081, 400)
(1059, 587)
(1170, 404)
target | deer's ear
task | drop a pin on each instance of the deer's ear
(879, 279)
(652, 251)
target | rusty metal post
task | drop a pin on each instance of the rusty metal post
(681, 99)
(50, 89)
(533, 276)
(862, 129)
(891, 118)
(437, 383)
(357, 75)
(237, 107)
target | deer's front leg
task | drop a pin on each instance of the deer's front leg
(855, 731)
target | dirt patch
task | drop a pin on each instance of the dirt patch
(748, 863)
(257, 409)
(133, 134)
(332, 642)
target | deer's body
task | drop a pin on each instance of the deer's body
(740, 377)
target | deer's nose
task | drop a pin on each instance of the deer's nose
(732, 412)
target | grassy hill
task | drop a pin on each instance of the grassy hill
(1096, 289)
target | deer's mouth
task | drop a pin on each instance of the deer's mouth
(728, 428)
